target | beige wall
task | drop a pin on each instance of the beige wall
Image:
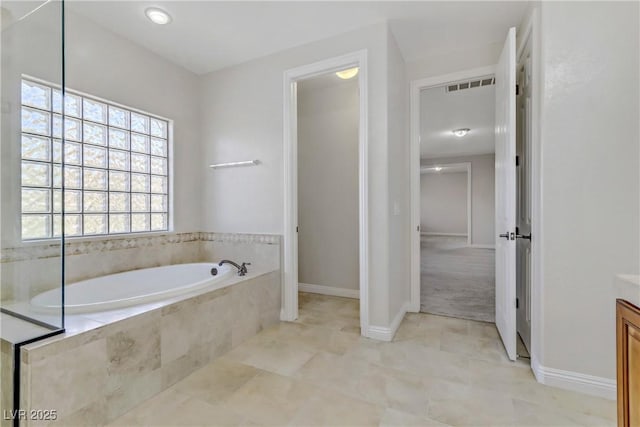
(328, 240)
(482, 195)
(443, 203)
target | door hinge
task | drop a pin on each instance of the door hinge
(418, 228)
(297, 229)
(517, 160)
(517, 303)
(517, 89)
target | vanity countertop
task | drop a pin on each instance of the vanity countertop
(627, 287)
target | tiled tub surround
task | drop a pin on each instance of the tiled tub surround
(32, 263)
(129, 355)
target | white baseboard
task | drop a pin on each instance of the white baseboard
(575, 381)
(329, 290)
(424, 233)
(383, 333)
(479, 246)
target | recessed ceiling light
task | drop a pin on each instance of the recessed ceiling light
(437, 169)
(460, 132)
(157, 16)
(348, 74)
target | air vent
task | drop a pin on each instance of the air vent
(471, 84)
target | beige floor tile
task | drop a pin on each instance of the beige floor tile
(270, 399)
(328, 408)
(367, 381)
(171, 408)
(473, 346)
(280, 357)
(328, 319)
(532, 414)
(216, 381)
(394, 418)
(483, 330)
(473, 408)
(419, 331)
(416, 358)
(445, 324)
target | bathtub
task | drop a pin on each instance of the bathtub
(134, 288)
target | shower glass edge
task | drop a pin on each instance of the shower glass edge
(32, 130)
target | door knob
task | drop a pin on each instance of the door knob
(505, 235)
(523, 236)
(508, 236)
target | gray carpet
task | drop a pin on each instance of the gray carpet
(457, 280)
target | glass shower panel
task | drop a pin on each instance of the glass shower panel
(31, 192)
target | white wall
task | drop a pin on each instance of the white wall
(591, 177)
(450, 62)
(399, 190)
(482, 194)
(242, 118)
(443, 203)
(328, 239)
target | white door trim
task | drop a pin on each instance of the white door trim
(467, 166)
(290, 251)
(414, 164)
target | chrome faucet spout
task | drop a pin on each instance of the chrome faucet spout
(242, 269)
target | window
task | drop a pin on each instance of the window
(116, 166)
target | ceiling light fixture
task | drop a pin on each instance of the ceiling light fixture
(437, 169)
(157, 16)
(460, 132)
(348, 74)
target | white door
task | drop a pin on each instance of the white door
(505, 224)
(523, 218)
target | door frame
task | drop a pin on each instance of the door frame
(529, 30)
(467, 168)
(358, 58)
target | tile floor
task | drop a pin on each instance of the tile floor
(319, 371)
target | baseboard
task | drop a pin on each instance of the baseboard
(424, 233)
(479, 246)
(575, 381)
(329, 290)
(382, 333)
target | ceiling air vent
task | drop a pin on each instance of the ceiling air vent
(471, 84)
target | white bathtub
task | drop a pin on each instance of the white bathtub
(133, 288)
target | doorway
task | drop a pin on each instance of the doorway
(457, 262)
(291, 277)
(327, 173)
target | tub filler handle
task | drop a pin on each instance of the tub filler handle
(242, 269)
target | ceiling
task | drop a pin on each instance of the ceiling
(209, 35)
(441, 112)
(447, 168)
(324, 81)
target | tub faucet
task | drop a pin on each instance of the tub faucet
(242, 269)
